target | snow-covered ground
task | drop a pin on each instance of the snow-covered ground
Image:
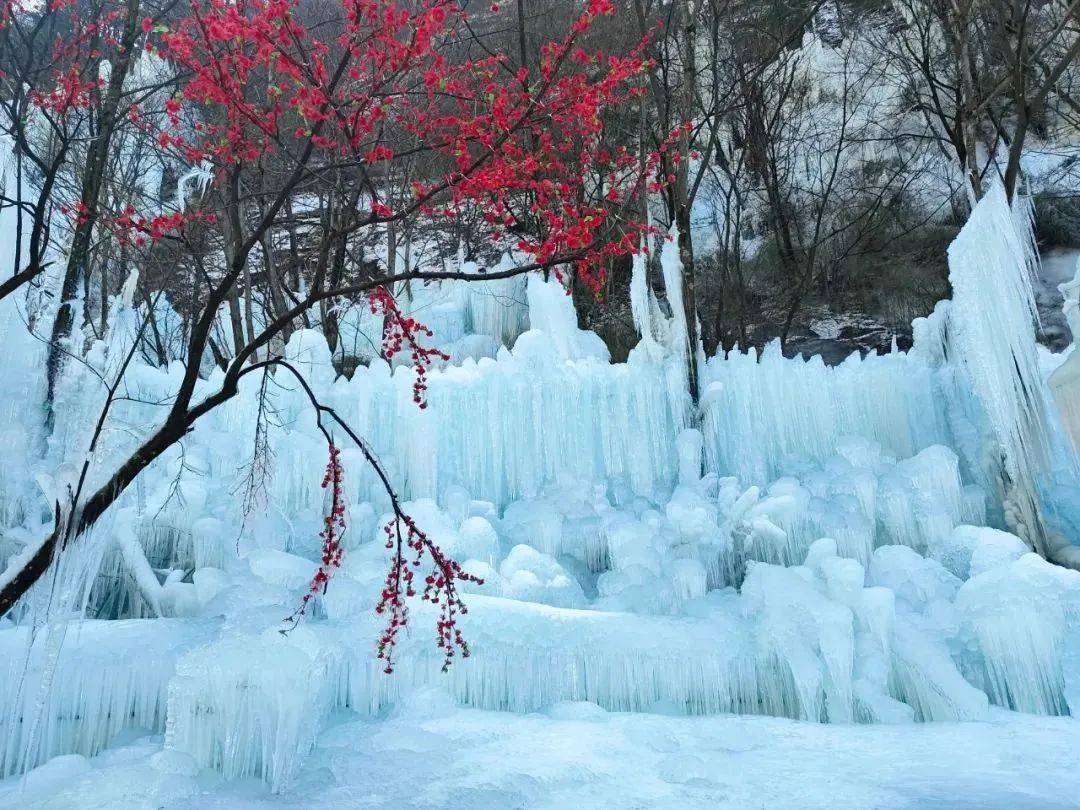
(430, 754)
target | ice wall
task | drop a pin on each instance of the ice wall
(108, 676)
(467, 318)
(829, 564)
(504, 428)
(972, 382)
(759, 412)
(810, 643)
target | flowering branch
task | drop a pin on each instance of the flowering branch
(440, 589)
(439, 586)
(333, 530)
(400, 331)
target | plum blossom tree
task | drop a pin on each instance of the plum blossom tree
(294, 116)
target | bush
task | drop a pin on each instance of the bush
(1057, 220)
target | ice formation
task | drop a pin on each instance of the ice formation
(758, 412)
(989, 331)
(1022, 619)
(250, 706)
(109, 676)
(1065, 379)
(643, 305)
(825, 544)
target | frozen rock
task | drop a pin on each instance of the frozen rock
(281, 568)
(174, 762)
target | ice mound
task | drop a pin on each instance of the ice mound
(848, 646)
(478, 541)
(250, 706)
(921, 499)
(916, 580)
(972, 550)
(52, 776)
(915, 502)
(532, 576)
(280, 568)
(818, 641)
(810, 642)
(798, 652)
(1019, 623)
(551, 310)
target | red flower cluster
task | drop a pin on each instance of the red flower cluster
(439, 588)
(401, 332)
(536, 138)
(74, 76)
(333, 530)
(71, 91)
(130, 228)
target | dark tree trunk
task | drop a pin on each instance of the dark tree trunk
(90, 197)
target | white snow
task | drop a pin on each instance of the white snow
(427, 754)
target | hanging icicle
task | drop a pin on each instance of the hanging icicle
(991, 265)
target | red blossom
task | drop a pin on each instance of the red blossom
(410, 546)
(537, 138)
(333, 529)
(402, 333)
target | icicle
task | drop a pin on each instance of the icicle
(551, 310)
(127, 293)
(758, 413)
(199, 176)
(1015, 616)
(990, 332)
(680, 353)
(643, 306)
(1065, 380)
(97, 687)
(495, 307)
(250, 706)
(672, 270)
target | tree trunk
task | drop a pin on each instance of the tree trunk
(683, 202)
(90, 195)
